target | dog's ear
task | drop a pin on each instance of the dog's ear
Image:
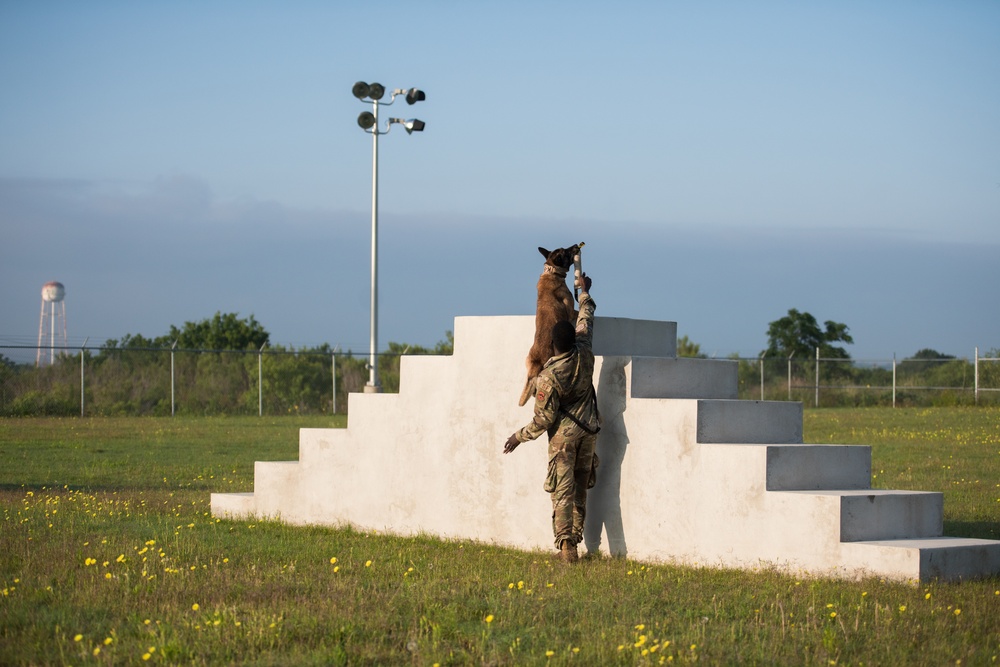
(545, 253)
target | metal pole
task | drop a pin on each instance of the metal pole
(333, 366)
(172, 348)
(373, 383)
(894, 379)
(790, 375)
(817, 377)
(260, 381)
(762, 377)
(82, 348)
(977, 375)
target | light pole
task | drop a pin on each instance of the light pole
(368, 120)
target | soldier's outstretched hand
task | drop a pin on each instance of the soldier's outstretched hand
(586, 282)
(511, 444)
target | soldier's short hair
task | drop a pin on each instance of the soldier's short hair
(563, 337)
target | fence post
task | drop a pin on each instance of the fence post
(82, 348)
(761, 361)
(333, 368)
(977, 375)
(172, 348)
(790, 375)
(817, 377)
(260, 380)
(893, 379)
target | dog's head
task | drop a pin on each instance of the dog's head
(561, 258)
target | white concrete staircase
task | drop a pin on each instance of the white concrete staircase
(688, 474)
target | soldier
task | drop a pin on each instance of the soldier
(566, 408)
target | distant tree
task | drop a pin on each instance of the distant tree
(135, 341)
(688, 348)
(389, 361)
(932, 368)
(928, 353)
(221, 332)
(446, 346)
(800, 333)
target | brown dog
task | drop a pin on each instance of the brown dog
(555, 303)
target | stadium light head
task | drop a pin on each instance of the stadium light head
(413, 96)
(412, 125)
(360, 90)
(373, 91)
(366, 119)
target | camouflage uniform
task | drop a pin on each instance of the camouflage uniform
(565, 387)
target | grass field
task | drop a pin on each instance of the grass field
(109, 555)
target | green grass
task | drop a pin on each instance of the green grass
(109, 554)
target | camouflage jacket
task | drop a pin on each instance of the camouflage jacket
(565, 384)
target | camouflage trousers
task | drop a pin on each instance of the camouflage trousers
(571, 463)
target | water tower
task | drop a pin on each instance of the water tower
(53, 315)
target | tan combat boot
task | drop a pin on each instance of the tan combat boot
(567, 552)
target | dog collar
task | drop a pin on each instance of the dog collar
(556, 270)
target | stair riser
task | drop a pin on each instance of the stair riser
(751, 422)
(894, 516)
(810, 467)
(684, 378)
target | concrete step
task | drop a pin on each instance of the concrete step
(233, 505)
(656, 377)
(944, 558)
(752, 422)
(878, 514)
(798, 467)
(273, 483)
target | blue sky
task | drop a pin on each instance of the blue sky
(723, 161)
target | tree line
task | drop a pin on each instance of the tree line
(220, 365)
(790, 359)
(226, 364)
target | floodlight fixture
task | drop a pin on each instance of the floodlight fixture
(360, 90)
(376, 91)
(366, 119)
(414, 95)
(412, 125)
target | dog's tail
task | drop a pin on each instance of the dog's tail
(529, 389)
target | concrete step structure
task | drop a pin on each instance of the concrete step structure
(688, 473)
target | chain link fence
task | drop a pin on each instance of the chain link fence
(137, 381)
(826, 382)
(164, 382)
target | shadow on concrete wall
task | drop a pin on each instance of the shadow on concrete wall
(604, 503)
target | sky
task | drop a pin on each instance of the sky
(724, 162)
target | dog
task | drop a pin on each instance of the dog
(555, 303)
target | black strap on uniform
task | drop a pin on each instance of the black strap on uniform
(579, 423)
